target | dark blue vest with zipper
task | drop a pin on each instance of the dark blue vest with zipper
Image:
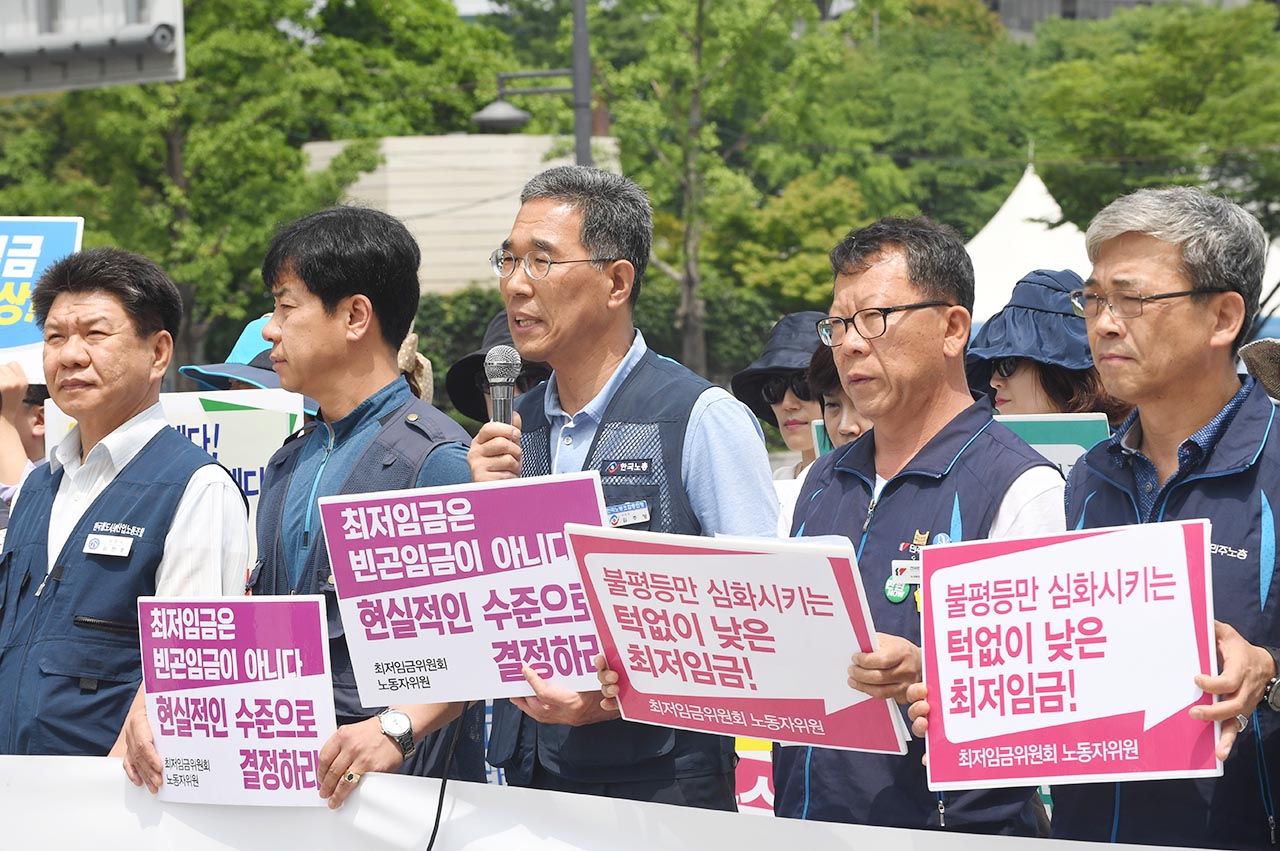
(646, 421)
(1237, 488)
(391, 462)
(950, 491)
(69, 657)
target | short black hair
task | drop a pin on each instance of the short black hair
(824, 377)
(147, 294)
(617, 221)
(346, 251)
(937, 262)
(36, 394)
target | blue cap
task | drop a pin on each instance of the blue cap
(1038, 323)
(249, 361)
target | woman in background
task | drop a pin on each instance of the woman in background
(776, 389)
(844, 423)
(1033, 356)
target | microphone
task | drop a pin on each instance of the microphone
(501, 366)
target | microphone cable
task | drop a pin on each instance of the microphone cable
(444, 775)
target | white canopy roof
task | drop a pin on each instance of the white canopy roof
(1018, 240)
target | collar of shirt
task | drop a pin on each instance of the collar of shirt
(115, 450)
(390, 398)
(595, 409)
(1123, 445)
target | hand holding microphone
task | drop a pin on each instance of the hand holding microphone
(495, 453)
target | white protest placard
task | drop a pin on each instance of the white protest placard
(239, 697)
(28, 246)
(741, 637)
(240, 429)
(1069, 658)
(446, 593)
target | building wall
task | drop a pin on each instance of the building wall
(1021, 16)
(457, 194)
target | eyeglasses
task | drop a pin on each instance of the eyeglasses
(869, 323)
(1123, 304)
(775, 388)
(1006, 367)
(525, 381)
(537, 264)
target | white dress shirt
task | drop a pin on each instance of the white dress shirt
(206, 552)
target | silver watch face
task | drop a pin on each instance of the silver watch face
(1273, 695)
(395, 723)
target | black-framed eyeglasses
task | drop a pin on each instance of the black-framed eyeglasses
(1124, 303)
(526, 380)
(1007, 366)
(537, 264)
(775, 387)
(870, 323)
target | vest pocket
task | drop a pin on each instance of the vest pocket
(105, 625)
(83, 693)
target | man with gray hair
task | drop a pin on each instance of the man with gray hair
(675, 454)
(1173, 294)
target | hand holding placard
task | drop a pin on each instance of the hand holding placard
(889, 671)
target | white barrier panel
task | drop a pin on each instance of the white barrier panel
(78, 802)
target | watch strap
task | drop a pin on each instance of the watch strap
(1271, 696)
(405, 740)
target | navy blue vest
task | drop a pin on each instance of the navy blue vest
(69, 658)
(950, 491)
(1238, 489)
(391, 462)
(646, 420)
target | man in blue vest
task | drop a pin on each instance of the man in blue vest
(345, 284)
(1174, 291)
(1176, 280)
(934, 468)
(682, 454)
(126, 507)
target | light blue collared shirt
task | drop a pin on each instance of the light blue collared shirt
(725, 467)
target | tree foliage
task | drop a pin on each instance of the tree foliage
(197, 174)
(1157, 96)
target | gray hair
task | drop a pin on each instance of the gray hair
(1223, 246)
(617, 222)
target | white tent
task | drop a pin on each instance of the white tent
(1017, 240)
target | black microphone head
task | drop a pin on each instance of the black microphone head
(502, 364)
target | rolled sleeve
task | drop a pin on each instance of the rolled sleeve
(725, 469)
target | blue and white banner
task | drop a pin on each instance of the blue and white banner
(28, 246)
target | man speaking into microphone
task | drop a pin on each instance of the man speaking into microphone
(684, 450)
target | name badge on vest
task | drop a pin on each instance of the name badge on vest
(903, 573)
(628, 513)
(108, 545)
(630, 467)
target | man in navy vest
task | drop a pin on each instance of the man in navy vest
(934, 468)
(682, 454)
(126, 507)
(1176, 280)
(1174, 291)
(345, 284)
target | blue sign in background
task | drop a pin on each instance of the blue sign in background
(28, 246)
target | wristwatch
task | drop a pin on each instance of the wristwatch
(397, 727)
(1271, 697)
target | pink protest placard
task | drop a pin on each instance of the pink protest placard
(447, 593)
(741, 637)
(239, 696)
(1069, 658)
